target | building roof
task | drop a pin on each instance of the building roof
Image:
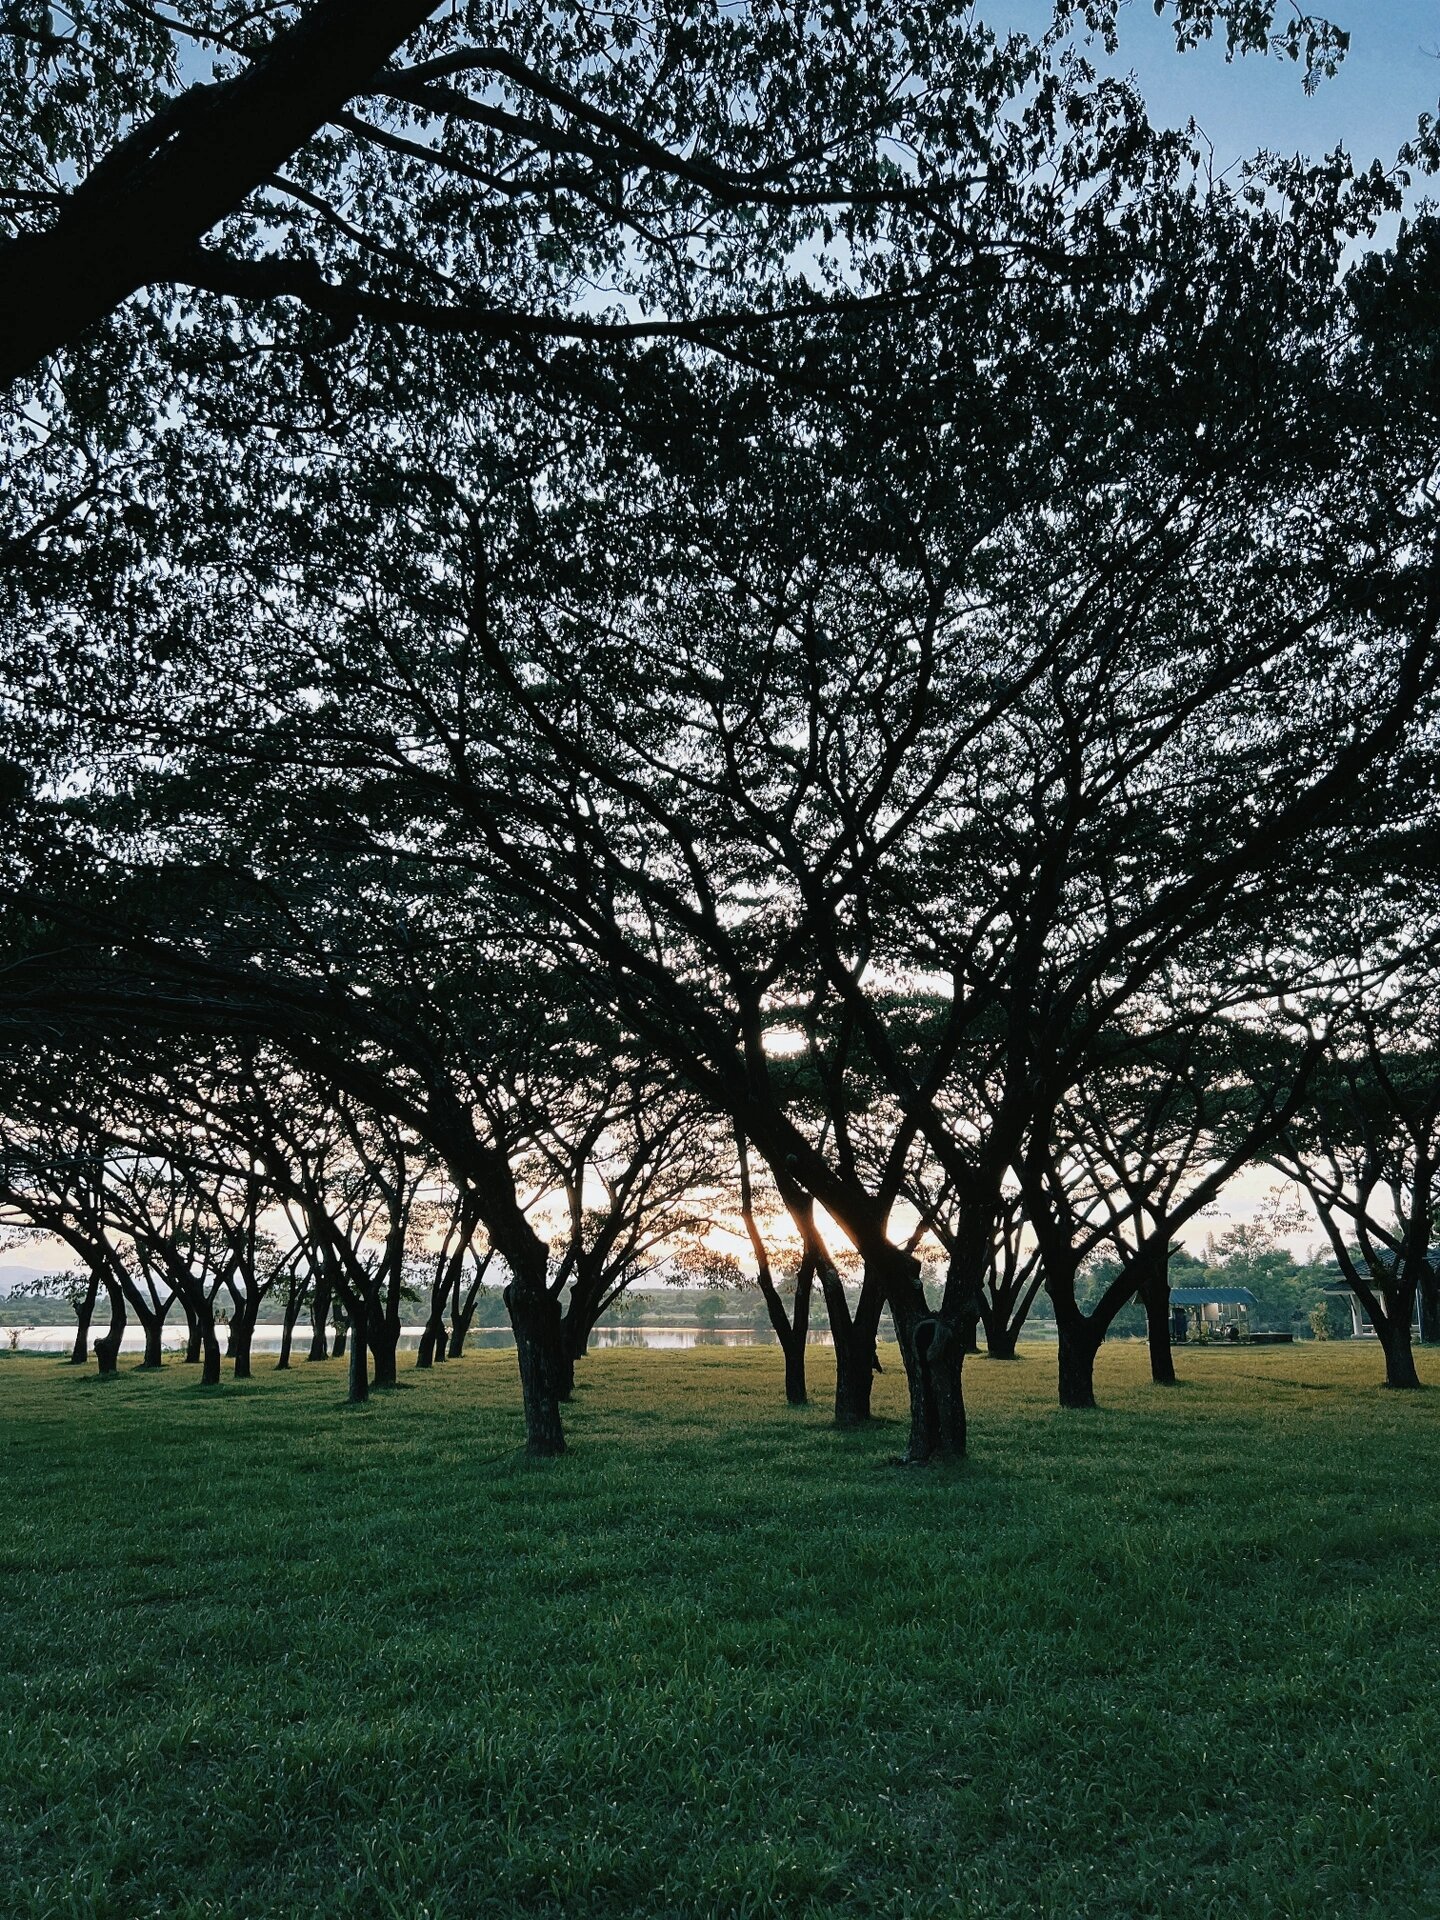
(1213, 1297)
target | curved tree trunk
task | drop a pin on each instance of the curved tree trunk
(107, 1347)
(84, 1314)
(429, 1340)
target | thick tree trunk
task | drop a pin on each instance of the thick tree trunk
(384, 1347)
(107, 1347)
(337, 1345)
(853, 1338)
(84, 1314)
(442, 1343)
(1394, 1335)
(359, 1363)
(1079, 1344)
(429, 1340)
(154, 1327)
(934, 1353)
(535, 1318)
(242, 1335)
(458, 1331)
(210, 1353)
(1001, 1339)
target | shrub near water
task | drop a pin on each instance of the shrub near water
(273, 1656)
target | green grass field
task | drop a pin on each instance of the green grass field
(267, 1655)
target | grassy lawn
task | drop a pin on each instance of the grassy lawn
(267, 1655)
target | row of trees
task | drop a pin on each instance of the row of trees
(817, 565)
(211, 1182)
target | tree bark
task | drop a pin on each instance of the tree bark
(337, 1345)
(107, 1347)
(210, 1352)
(1393, 1330)
(242, 1334)
(933, 1348)
(1153, 1286)
(154, 1326)
(319, 1316)
(384, 1341)
(535, 1318)
(1000, 1342)
(429, 1340)
(1079, 1344)
(287, 1335)
(163, 187)
(84, 1314)
(459, 1328)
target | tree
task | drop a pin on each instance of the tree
(1364, 1150)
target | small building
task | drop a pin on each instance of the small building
(1216, 1309)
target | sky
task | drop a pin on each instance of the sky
(1390, 76)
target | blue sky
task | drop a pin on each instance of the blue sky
(1390, 76)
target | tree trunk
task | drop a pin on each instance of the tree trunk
(1154, 1289)
(937, 1396)
(359, 1367)
(192, 1335)
(210, 1353)
(154, 1326)
(934, 1353)
(1001, 1338)
(535, 1318)
(793, 1346)
(429, 1340)
(458, 1332)
(1079, 1344)
(107, 1347)
(442, 1343)
(287, 1335)
(319, 1317)
(384, 1348)
(856, 1362)
(84, 1314)
(242, 1334)
(337, 1345)
(1393, 1330)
